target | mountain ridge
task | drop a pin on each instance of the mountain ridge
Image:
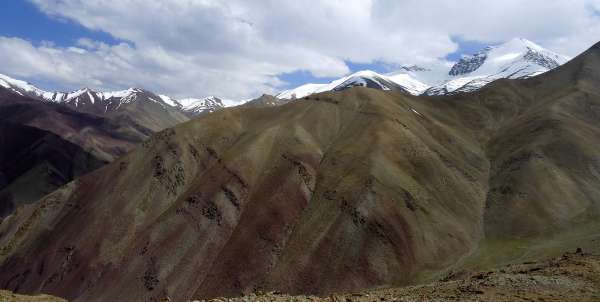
(100, 102)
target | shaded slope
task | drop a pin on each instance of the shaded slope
(337, 192)
(34, 163)
(106, 138)
(46, 145)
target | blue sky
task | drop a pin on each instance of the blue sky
(20, 18)
(238, 49)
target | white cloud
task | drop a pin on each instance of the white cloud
(237, 48)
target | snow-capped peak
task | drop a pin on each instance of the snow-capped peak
(196, 106)
(18, 86)
(495, 58)
(104, 101)
(25, 88)
(514, 59)
(194, 102)
(365, 78)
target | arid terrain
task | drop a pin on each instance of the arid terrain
(574, 276)
(570, 277)
(333, 193)
(7, 296)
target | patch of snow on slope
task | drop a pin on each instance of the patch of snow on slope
(412, 85)
(169, 101)
(301, 91)
(4, 84)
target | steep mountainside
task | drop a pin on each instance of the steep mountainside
(339, 191)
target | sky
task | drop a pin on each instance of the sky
(237, 49)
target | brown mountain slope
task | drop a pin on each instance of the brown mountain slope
(337, 192)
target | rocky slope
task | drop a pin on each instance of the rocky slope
(336, 192)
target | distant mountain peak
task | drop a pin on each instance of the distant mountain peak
(363, 78)
(195, 106)
(518, 58)
(88, 99)
(513, 59)
(528, 50)
(413, 68)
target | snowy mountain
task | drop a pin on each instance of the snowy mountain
(516, 59)
(91, 101)
(107, 101)
(365, 78)
(194, 107)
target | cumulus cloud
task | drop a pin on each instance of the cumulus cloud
(239, 48)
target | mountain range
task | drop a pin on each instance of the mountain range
(516, 59)
(107, 103)
(337, 191)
